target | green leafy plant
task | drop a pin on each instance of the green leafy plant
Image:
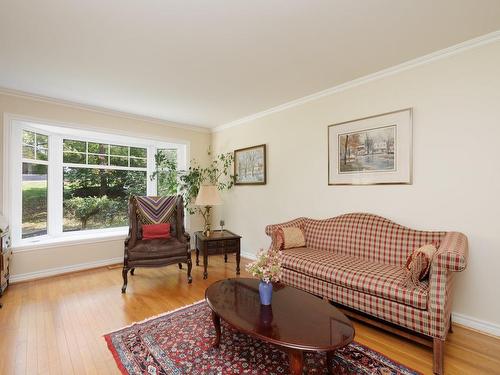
(188, 182)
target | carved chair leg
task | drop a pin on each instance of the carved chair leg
(451, 326)
(438, 355)
(190, 266)
(125, 279)
(180, 266)
(132, 271)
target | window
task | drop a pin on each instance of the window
(164, 181)
(34, 183)
(75, 182)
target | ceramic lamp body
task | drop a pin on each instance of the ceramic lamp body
(265, 293)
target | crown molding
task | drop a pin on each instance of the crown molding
(437, 55)
(101, 110)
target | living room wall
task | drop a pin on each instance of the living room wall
(456, 179)
(50, 259)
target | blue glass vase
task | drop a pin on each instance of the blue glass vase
(265, 292)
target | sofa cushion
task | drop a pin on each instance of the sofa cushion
(382, 280)
(288, 238)
(157, 248)
(418, 264)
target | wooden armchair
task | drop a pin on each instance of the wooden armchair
(156, 252)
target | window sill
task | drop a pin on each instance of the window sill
(71, 239)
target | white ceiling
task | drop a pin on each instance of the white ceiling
(208, 63)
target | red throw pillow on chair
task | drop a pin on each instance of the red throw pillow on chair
(153, 231)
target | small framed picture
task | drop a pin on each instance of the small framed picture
(372, 150)
(250, 165)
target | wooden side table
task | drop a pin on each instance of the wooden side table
(219, 242)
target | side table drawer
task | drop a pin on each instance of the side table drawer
(215, 244)
(232, 243)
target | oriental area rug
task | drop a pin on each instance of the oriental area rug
(180, 342)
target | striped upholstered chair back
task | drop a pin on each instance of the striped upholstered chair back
(367, 236)
(155, 210)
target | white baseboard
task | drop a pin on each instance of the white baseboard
(248, 255)
(476, 324)
(65, 269)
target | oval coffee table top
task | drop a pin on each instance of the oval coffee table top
(295, 319)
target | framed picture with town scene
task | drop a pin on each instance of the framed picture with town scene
(250, 165)
(371, 150)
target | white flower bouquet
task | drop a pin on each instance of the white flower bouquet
(267, 267)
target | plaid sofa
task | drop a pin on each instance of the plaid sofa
(357, 260)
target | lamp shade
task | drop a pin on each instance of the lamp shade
(208, 195)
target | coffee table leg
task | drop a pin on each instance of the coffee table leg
(296, 359)
(216, 320)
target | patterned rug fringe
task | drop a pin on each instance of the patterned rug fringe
(154, 317)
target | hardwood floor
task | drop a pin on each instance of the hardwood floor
(55, 325)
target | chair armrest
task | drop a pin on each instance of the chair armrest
(453, 252)
(292, 223)
(131, 239)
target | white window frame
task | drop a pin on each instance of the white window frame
(12, 181)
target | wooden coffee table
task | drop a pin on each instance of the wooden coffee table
(296, 320)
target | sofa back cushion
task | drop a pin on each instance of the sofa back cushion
(367, 236)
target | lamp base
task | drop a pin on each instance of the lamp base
(206, 216)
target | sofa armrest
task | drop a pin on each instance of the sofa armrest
(292, 223)
(453, 252)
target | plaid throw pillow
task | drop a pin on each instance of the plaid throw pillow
(418, 264)
(287, 238)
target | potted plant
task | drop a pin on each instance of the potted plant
(267, 268)
(187, 182)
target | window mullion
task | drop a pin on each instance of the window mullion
(55, 185)
(151, 183)
(16, 175)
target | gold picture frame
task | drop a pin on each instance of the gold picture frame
(250, 165)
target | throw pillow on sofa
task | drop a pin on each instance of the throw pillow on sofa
(418, 264)
(287, 238)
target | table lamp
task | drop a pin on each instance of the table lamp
(208, 196)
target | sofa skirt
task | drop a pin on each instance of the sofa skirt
(390, 311)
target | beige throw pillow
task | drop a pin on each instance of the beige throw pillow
(287, 238)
